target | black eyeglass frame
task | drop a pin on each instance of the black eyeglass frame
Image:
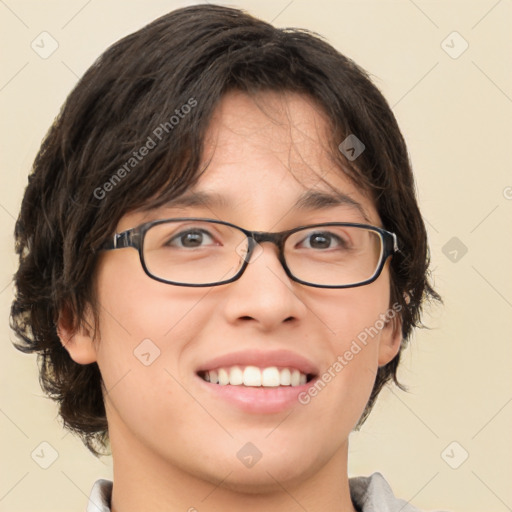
(134, 237)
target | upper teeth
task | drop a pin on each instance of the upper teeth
(256, 377)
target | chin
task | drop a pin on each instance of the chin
(265, 479)
(276, 468)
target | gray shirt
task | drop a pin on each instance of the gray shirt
(369, 494)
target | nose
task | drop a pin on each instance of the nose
(264, 295)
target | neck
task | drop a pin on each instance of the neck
(144, 480)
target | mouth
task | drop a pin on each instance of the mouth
(256, 377)
(257, 382)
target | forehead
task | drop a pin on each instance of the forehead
(267, 157)
(279, 131)
(275, 146)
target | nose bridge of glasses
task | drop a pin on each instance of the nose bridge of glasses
(264, 236)
(260, 237)
(256, 238)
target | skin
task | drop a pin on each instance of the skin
(174, 446)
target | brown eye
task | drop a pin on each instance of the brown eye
(322, 240)
(191, 239)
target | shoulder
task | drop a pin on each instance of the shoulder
(373, 494)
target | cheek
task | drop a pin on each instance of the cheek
(353, 313)
(145, 331)
(134, 307)
(354, 328)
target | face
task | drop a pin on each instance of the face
(157, 341)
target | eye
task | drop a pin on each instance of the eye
(191, 238)
(322, 240)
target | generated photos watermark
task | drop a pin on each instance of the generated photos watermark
(157, 135)
(357, 345)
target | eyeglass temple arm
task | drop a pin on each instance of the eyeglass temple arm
(120, 241)
(394, 246)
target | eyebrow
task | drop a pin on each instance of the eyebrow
(316, 200)
(310, 200)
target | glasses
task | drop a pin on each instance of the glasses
(205, 252)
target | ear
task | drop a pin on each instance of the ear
(391, 340)
(77, 340)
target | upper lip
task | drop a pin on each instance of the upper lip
(282, 358)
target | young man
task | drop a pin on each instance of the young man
(221, 256)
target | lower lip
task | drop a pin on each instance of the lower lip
(258, 400)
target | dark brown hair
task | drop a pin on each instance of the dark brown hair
(77, 193)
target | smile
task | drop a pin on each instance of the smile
(255, 381)
(253, 376)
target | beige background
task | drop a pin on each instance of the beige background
(456, 116)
